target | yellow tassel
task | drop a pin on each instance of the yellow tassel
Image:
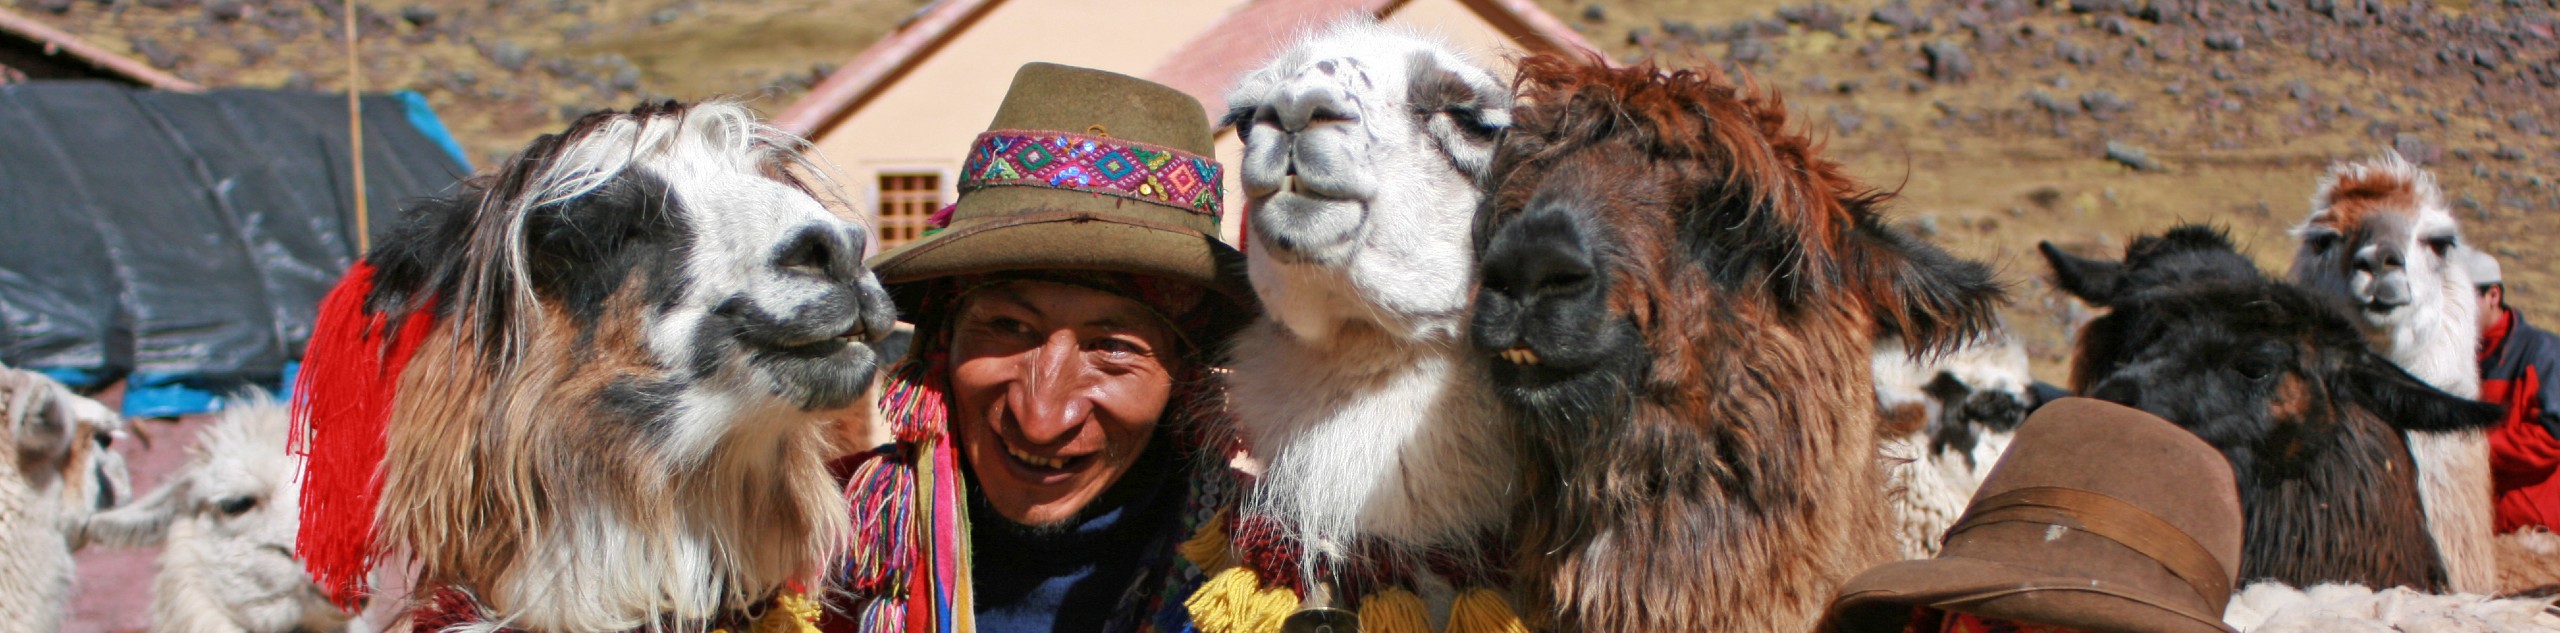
(1394, 611)
(1481, 610)
(791, 613)
(1208, 549)
(1234, 601)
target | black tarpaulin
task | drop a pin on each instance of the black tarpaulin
(187, 237)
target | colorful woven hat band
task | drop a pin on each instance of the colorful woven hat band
(1095, 163)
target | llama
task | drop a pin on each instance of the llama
(2377, 238)
(1684, 296)
(612, 364)
(2281, 382)
(225, 522)
(2276, 608)
(1948, 418)
(60, 467)
(1363, 146)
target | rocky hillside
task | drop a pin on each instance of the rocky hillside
(2001, 122)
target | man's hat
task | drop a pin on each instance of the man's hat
(1083, 170)
(2484, 269)
(2098, 518)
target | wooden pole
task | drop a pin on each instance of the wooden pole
(355, 130)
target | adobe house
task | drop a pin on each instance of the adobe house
(897, 120)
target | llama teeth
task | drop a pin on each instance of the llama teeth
(1520, 356)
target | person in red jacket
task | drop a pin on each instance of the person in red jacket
(2519, 368)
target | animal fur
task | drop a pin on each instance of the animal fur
(1363, 145)
(2278, 608)
(2528, 558)
(57, 469)
(619, 418)
(225, 522)
(2377, 226)
(1685, 298)
(1967, 404)
(2280, 380)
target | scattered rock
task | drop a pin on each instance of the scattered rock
(1948, 63)
(162, 4)
(2414, 148)
(627, 79)
(1900, 16)
(2047, 102)
(2104, 105)
(2131, 156)
(1594, 12)
(157, 54)
(2047, 197)
(56, 7)
(1818, 16)
(419, 15)
(2223, 74)
(2115, 25)
(2525, 122)
(2071, 51)
(2299, 90)
(2100, 6)
(298, 81)
(2508, 152)
(1748, 51)
(2224, 41)
(2171, 12)
(1683, 31)
(1640, 36)
(507, 55)
(665, 17)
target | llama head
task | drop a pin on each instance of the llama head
(2380, 237)
(226, 522)
(61, 446)
(2273, 374)
(1626, 205)
(642, 326)
(1363, 147)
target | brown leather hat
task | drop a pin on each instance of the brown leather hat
(2099, 518)
(1083, 170)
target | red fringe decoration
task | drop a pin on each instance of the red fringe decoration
(341, 404)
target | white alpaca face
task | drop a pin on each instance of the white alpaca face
(227, 522)
(63, 445)
(1362, 150)
(2380, 237)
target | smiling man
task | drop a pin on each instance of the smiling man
(1047, 462)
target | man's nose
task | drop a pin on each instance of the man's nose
(1051, 400)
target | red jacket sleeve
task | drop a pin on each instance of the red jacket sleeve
(2522, 450)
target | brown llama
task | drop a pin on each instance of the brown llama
(1684, 295)
(615, 361)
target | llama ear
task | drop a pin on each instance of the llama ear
(2410, 404)
(38, 422)
(1931, 299)
(1463, 108)
(143, 522)
(2093, 280)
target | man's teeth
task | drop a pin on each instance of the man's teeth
(1520, 356)
(1035, 460)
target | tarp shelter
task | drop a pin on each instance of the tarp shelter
(183, 240)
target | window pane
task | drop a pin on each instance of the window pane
(906, 201)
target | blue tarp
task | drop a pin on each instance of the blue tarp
(181, 241)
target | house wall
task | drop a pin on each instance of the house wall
(924, 121)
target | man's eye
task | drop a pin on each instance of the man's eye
(1008, 325)
(1117, 346)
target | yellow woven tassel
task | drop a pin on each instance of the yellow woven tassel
(1208, 549)
(1482, 610)
(1271, 606)
(1394, 611)
(791, 613)
(1224, 603)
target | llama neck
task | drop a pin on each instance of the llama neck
(1372, 438)
(35, 559)
(2339, 522)
(2439, 346)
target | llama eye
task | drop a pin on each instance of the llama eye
(2323, 242)
(103, 438)
(235, 506)
(2440, 244)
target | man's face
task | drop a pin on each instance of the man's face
(2490, 297)
(1057, 389)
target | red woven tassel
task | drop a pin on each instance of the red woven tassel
(341, 405)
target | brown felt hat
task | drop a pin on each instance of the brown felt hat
(2098, 518)
(1083, 170)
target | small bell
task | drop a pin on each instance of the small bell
(1321, 620)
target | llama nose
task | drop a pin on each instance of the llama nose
(1541, 254)
(832, 252)
(2390, 291)
(2380, 260)
(1309, 102)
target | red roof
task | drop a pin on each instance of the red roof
(1202, 67)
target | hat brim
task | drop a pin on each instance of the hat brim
(1067, 240)
(1880, 600)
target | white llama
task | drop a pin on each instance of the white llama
(2377, 237)
(1968, 403)
(58, 469)
(1363, 145)
(225, 522)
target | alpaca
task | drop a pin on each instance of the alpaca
(225, 522)
(1948, 418)
(2280, 379)
(1685, 297)
(2377, 238)
(60, 468)
(2277, 608)
(1363, 146)
(615, 360)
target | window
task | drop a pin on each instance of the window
(906, 200)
